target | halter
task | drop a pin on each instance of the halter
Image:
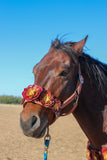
(38, 95)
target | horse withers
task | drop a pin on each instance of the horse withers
(68, 81)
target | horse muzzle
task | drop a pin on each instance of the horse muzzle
(33, 127)
(31, 122)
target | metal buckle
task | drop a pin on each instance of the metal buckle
(77, 97)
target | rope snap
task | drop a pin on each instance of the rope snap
(47, 139)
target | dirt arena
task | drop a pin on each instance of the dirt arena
(68, 142)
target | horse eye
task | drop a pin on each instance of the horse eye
(63, 73)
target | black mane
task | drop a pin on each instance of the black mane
(93, 68)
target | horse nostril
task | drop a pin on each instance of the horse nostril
(34, 119)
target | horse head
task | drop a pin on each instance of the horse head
(56, 74)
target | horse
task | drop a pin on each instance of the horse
(67, 80)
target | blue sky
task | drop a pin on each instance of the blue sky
(27, 28)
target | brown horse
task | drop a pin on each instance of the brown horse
(58, 72)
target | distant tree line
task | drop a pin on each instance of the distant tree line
(10, 100)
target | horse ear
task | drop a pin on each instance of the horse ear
(51, 49)
(78, 46)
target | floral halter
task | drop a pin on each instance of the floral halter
(36, 94)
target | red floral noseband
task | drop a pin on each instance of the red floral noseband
(36, 94)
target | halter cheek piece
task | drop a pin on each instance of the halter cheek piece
(38, 95)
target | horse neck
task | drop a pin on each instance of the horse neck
(89, 113)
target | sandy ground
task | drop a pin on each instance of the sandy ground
(68, 142)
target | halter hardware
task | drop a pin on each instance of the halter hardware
(81, 78)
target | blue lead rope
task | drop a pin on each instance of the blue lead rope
(46, 144)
